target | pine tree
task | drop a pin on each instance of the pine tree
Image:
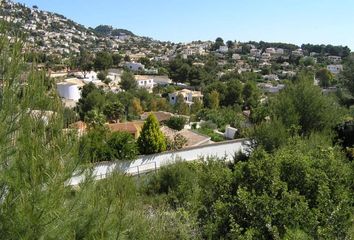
(151, 139)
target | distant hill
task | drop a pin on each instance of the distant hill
(53, 33)
(107, 30)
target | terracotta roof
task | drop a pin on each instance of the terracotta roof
(193, 138)
(161, 116)
(130, 127)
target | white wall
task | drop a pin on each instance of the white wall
(153, 162)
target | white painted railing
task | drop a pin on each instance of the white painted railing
(147, 163)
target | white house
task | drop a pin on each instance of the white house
(157, 79)
(335, 59)
(188, 96)
(223, 49)
(270, 50)
(335, 69)
(114, 77)
(146, 82)
(70, 89)
(90, 76)
(279, 51)
(298, 52)
(236, 56)
(255, 52)
(271, 77)
(134, 66)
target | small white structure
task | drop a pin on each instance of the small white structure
(134, 66)
(230, 132)
(188, 96)
(70, 89)
(335, 69)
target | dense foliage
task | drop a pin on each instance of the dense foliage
(303, 190)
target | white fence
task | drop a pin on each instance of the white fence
(153, 162)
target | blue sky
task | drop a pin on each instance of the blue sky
(293, 21)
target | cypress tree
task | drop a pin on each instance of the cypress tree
(151, 139)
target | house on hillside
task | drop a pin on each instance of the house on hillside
(223, 49)
(335, 59)
(145, 81)
(135, 66)
(134, 128)
(335, 69)
(189, 96)
(157, 79)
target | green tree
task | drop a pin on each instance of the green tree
(145, 61)
(117, 58)
(325, 78)
(303, 104)
(151, 139)
(214, 100)
(233, 95)
(122, 146)
(196, 106)
(103, 61)
(114, 111)
(93, 146)
(91, 98)
(307, 61)
(95, 119)
(270, 135)
(128, 81)
(179, 70)
(250, 94)
(176, 123)
(102, 75)
(69, 116)
(347, 75)
(85, 61)
(218, 43)
(181, 107)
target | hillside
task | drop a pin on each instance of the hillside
(55, 34)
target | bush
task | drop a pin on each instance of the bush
(122, 146)
(176, 123)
